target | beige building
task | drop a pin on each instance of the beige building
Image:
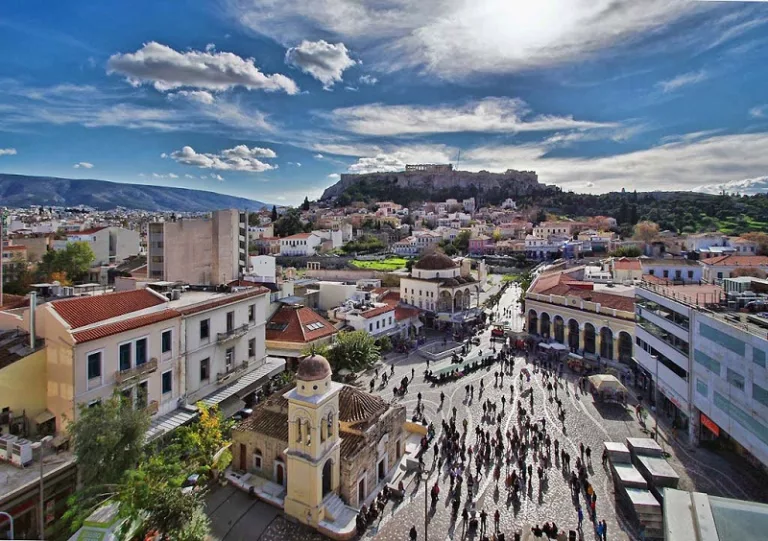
(330, 447)
(36, 245)
(592, 319)
(23, 387)
(205, 251)
(127, 342)
(109, 244)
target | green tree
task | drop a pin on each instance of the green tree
(627, 251)
(289, 223)
(305, 204)
(254, 219)
(274, 213)
(461, 242)
(74, 261)
(353, 350)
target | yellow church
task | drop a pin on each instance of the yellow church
(319, 450)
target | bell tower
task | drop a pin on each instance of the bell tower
(313, 440)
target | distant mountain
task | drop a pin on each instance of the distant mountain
(26, 190)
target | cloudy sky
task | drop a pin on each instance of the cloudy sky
(273, 99)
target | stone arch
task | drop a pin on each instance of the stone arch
(445, 301)
(545, 325)
(458, 300)
(589, 338)
(327, 476)
(606, 343)
(533, 322)
(574, 340)
(625, 347)
(559, 329)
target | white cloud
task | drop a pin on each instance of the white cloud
(489, 115)
(187, 175)
(199, 96)
(684, 79)
(324, 61)
(142, 175)
(749, 186)
(7, 151)
(759, 112)
(218, 177)
(167, 69)
(83, 165)
(164, 176)
(368, 80)
(163, 155)
(395, 158)
(334, 176)
(318, 156)
(210, 47)
(680, 165)
(456, 38)
(239, 158)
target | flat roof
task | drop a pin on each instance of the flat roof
(13, 478)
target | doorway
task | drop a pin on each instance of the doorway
(382, 468)
(280, 474)
(243, 458)
(361, 492)
(327, 471)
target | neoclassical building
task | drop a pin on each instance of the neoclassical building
(441, 287)
(594, 319)
(321, 449)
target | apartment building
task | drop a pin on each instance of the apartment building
(715, 269)
(678, 270)
(109, 244)
(206, 251)
(126, 342)
(377, 319)
(222, 339)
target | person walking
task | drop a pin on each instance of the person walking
(580, 515)
(413, 533)
(496, 520)
(600, 530)
(605, 457)
(483, 519)
(605, 531)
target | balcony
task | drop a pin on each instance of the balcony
(233, 373)
(234, 334)
(121, 376)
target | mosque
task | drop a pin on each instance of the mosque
(320, 450)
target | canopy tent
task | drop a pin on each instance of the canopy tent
(606, 383)
(556, 346)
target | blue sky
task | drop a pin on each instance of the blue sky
(273, 99)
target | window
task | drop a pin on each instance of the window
(720, 275)
(166, 341)
(205, 369)
(690, 275)
(370, 327)
(167, 382)
(725, 340)
(251, 313)
(141, 351)
(735, 379)
(125, 356)
(706, 361)
(758, 357)
(702, 388)
(252, 348)
(678, 274)
(94, 365)
(759, 394)
(205, 329)
(377, 324)
(666, 273)
(229, 359)
(230, 321)
(652, 272)
(257, 460)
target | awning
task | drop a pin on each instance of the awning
(271, 367)
(170, 421)
(44, 417)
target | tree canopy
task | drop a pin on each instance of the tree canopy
(73, 261)
(353, 350)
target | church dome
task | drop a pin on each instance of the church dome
(436, 261)
(313, 368)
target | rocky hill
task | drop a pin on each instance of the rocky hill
(434, 184)
(25, 190)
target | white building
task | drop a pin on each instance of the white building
(262, 269)
(109, 244)
(300, 244)
(715, 269)
(509, 203)
(679, 270)
(377, 319)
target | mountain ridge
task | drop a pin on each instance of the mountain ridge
(28, 190)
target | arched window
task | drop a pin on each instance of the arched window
(330, 424)
(298, 430)
(257, 460)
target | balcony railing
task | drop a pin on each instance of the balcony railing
(233, 372)
(121, 376)
(234, 334)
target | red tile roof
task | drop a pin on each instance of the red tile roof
(11, 302)
(297, 236)
(373, 312)
(222, 301)
(296, 319)
(14, 248)
(734, 260)
(403, 312)
(83, 311)
(123, 325)
(626, 264)
(564, 284)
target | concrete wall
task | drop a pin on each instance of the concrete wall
(36, 247)
(23, 385)
(332, 294)
(126, 243)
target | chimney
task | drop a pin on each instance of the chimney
(32, 308)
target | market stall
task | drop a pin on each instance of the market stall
(607, 387)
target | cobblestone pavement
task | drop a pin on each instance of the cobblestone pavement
(585, 422)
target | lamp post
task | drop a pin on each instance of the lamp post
(10, 519)
(425, 478)
(41, 445)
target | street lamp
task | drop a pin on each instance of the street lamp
(41, 445)
(10, 519)
(425, 478)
